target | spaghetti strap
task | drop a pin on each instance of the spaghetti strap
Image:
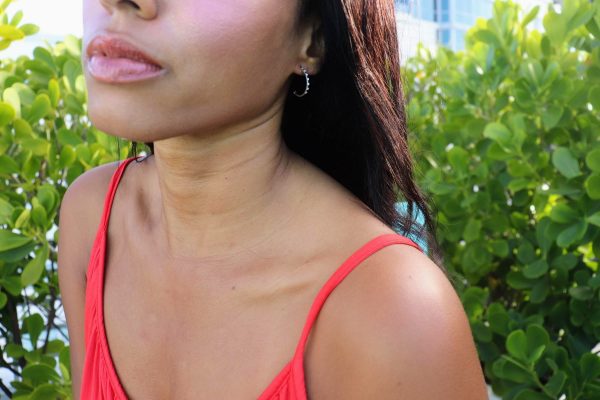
(102, 227)
(354, 260)
(112, 188)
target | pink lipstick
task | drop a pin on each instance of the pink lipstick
(114, 60)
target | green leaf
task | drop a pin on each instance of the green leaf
(29, 29)
(458, 158)
(9, 240)
(68, 136)
(594, 219)
(556, 383)
(40, 373)
(22, 129)
(35, 267)
(46, 391)
(73, 45)
(54, 92)
(571, 234)
(512, 370)
(34, 325)
(565, 162)
(8, 166)
(536, 354)
(37, 146)
(590, 366)
(45, 56)
(39, 215)
(551, 116)
(592, 159)
(472, 230)
(481, 332)
(498, 319)
(6, 211)
(539, 291)
(487, 36)
(499, 247)
(40, 108)
(526, 253)
(582, 17)
(23, 218)
(16, 255)
(536, 269)
(565, 261)
(594, 97)
(14, 350)
(530, 16)
(563, 214)
(556, 27)
(516, 344)
(528, 394)
(592, 186)
(499, 133)
(14, 21)
(10, 32)
(7, 113)
(544, 234)
(11, 96)
(536, 336)
(582, 293)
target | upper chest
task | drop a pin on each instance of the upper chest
(200, 335)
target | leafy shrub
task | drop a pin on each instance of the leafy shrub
(46, 141)
(508, 137)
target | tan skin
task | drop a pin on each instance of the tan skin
(219, 243)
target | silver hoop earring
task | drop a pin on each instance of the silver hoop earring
(307, 83)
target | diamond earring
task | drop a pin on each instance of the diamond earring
(307, 83)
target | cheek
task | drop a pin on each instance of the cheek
(234, 44)
(228, 59)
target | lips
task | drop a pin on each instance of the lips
(116, 47)
(113, 60)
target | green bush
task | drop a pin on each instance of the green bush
(46, 141)
(507, 134)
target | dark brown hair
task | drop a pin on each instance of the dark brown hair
(352, 124)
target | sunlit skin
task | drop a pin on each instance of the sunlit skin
(215, 115)
(220, 241)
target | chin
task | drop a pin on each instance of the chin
(121, 121)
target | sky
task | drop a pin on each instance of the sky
(56, 18)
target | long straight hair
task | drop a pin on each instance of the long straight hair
(352, 124)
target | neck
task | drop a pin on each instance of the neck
(222, 194)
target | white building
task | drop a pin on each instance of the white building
(445, 22)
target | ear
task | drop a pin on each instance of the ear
(312, 47)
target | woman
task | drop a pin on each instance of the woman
(279, 149)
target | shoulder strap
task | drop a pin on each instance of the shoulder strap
(112, 188)
(101, 230)
(354, 260)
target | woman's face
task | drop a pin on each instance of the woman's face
(227, 64)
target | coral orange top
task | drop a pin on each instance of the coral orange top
(100, 380)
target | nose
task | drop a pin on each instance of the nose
(143, 8)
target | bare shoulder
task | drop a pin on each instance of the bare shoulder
(405, 333)
(79, 217)
(81, 209)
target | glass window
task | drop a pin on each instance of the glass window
(444, 11)
(403, 5)
(427, 10)
(444, 37)
(459, 36)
